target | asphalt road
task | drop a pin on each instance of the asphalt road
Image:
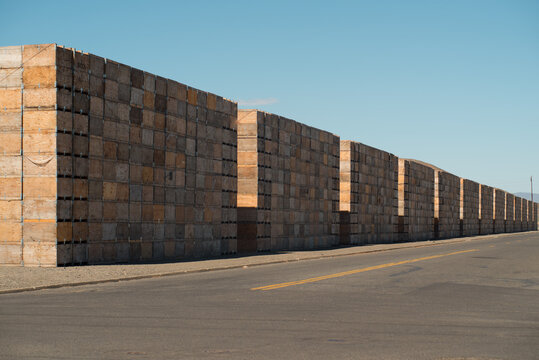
(475, 299)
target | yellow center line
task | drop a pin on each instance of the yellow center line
(356, 271)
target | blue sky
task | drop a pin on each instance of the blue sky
(453, 83)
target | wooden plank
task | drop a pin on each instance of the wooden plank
(10, 78)
(81, 80)
(40, 142)
(10, 143)
(64, 77)
(39, 55)
(64, 57)
(39, 232)
(10, 166)
(39, 254)
(10, 56)
(64, 143)
(64, 232)
(10, 120)
(80, 231)
(109, 190)
(10, 232)
(64, 121)
(64, 254)
(10, 254)
(80, 253)
(39, 209)
(10, 99)
(10, 188)
(39, 187)
(41, 98)
(10, 210)
(39, 77)
(38, 165)
(192, 96)
(211, 101)
(80, 210)
(35, 121)
(80, 188)
(80, 124)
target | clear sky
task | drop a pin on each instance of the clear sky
(454, 83)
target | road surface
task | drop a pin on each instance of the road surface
(476, 299)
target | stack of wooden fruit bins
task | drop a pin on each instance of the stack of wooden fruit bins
(288, 184)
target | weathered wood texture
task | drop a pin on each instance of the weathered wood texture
(518, 214)
(535, 217)
(509, 213)
(532, 217)
(119, 165)
(101, 163)
(11, 159)
(469, 207)
(499, 211)
(416, 201)
(368, 194)
(289, 172)
(525, 214)
(28, 96)
(486, 207)
(162, 166)
(446, 205)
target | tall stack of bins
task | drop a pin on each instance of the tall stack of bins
(131, 166)
(103, 163)
(446, 204)
(518, 214)
(29, 166)
(535, 217)
(416, 201)
(164, 156)
(525, 214)
(11, 159)
(509, 213)
(530, 216)
(486, 214)
(499, 211)
(469, 207)
(289, 176)
(368, 194)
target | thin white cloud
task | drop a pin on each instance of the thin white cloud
(257, 102)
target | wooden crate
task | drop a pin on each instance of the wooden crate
(11, 159)
(499, 211)
(486, 207)
(446, 204)
(509, 213)
(368, 194)
(469, 207)
(416, 201)
(119, 165)
(525, 214)
(535, 217)
(518, 215)
(288, 175)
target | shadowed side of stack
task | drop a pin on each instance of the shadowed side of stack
(499, 211)
(289, 175)
(416, 201)
(369, 186)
